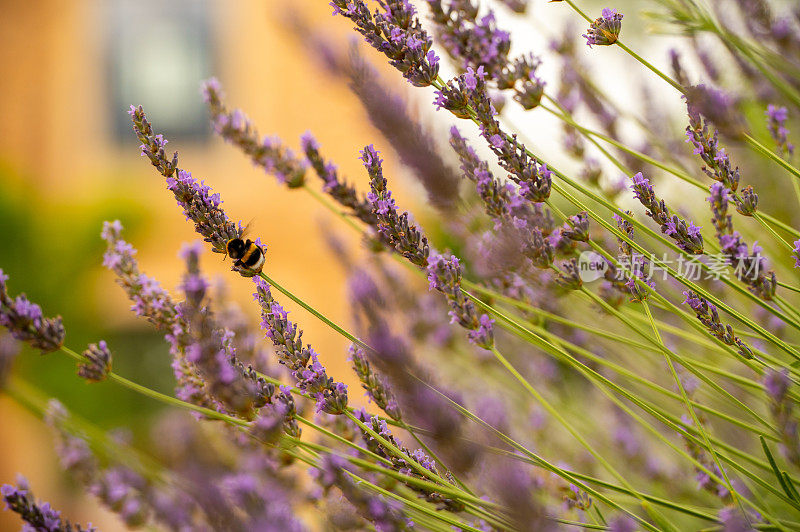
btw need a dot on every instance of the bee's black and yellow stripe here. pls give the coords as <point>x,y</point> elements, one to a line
<point>253,257</point>
<point>246,253</point>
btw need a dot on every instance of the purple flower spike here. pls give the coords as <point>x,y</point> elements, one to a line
<point>776,123</point>
<point>199,205</point>
<point>98,362</point>
<point>707,314</point>
<point>266,153</point>
<point>306,368</point>
<point>38,516</point>
<point>687,236</point>
<point>395,31</point>
<point>604,31</point>
<point>25,321</point>
<point>444,275</point>
<point>796,253</point>
<point>394,228</point>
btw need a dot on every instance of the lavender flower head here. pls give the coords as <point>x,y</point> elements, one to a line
<point>395,31</point>
<point>199,204</point>
<point>532,176</point>
<point>208,347</point>
<point>149,299</point>
<point>310,374</point>
<point>776,123</point>
<point>444,275</point>
<point>604,31</point>
<point>796,253</point>
<point>266,153</point>
<point>373,383</point>
<point>397,229</point>
<point>40,517</point>
<point>707,314</point>
<point>687,237</point>
<point>97,364</point>
<point>344,193</point>
<point>25,322</point>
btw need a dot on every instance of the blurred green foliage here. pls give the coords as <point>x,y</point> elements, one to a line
<point>52,251</point>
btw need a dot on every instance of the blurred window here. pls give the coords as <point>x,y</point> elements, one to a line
<point>159,52</point>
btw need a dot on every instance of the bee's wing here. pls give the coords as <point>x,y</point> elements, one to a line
<point>246,228</point>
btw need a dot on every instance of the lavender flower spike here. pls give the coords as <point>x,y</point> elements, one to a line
<point>395,31</point>
<point>210,351</point>
<point>236,129</point>
<point>97,364</point>
<point>707,314</point>
<point>604,31</point>
<point>306,368</point>
<point>444,275</point>
<point>776,384</point>
<point>25,322</point>
<point>776,123</point>
<point>688,237</point>
<point>375,385</point>
<point>395,228</point>
<point>38,516</point>
<point>796,253</point>
<point>344,193</point>
<point>199,204</point>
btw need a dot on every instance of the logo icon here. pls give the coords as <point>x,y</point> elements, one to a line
<point>592,266</point>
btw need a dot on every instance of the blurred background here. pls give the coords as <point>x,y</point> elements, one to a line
<point>69,160</point>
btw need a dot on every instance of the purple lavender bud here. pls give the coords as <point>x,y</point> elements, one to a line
<point>444,275</point>
<point>395,30</point>
<point>198,203</point>
<point>762,282</point>
<point>152,144</point>
<point>605,29</point>
<point>707,314</point>
<point>98,362</point>
<point>454,96</point>
<point>341,191</point>
<point>497,198</point>
<point>25,322</point>
<point>706,145</point>
<point>306,368</point>
<point>796,253</point>
<point>747,201</point>
<point>395,228</point>
<point>569,277</point>
<point>267,153</point>
<point>776,123</point>
<point>539,249</point>
<point>39,516</point>
<point>577,227</point>
<point>333,470</point>
<point>717,106</point>
<point>687,237</point>
<point>719,209</point>
<point>374,384</point>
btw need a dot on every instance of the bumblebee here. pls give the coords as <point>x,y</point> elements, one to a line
<point>248,256</point>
